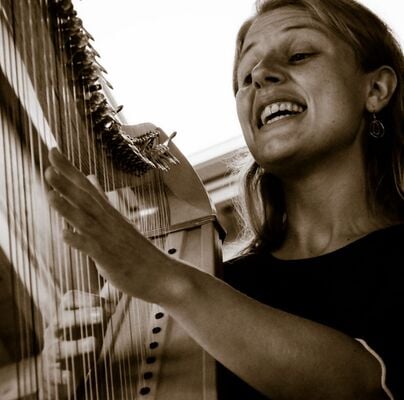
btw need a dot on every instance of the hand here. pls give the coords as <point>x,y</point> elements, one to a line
<point>128,260</point>
<point>72,343</point>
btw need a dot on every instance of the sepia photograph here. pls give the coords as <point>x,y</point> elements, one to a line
<point>201,200</point>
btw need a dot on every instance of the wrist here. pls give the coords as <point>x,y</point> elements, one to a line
<point>176,285</point>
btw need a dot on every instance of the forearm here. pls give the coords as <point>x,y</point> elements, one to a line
<point>283,356</point>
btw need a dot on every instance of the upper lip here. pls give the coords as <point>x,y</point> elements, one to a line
<point>263,101</point>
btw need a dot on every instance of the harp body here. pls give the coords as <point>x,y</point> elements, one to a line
<point>145,353</point>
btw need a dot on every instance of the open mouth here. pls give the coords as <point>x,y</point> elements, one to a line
<point>275,111</point>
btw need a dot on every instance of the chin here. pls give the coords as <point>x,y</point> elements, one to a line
<point>281,165</point>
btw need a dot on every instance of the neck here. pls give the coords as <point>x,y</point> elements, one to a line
<point>326,210</point>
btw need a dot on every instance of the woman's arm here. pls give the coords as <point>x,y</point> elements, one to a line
<point>281,355</point>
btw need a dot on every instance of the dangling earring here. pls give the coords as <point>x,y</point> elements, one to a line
<point>376,127</point>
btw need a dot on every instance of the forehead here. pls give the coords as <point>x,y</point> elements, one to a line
<point>272,24</point>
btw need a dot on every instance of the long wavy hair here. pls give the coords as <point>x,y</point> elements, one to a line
<point>261,202</point>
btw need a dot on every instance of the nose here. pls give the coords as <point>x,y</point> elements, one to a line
<point>263,75</point>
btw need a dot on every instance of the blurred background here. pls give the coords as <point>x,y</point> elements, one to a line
<point>170,63</point>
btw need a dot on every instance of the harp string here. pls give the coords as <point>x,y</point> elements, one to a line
<point>73,150</point>
<point>26,174</point>
<point>105,369</point>
<point>14,222</point>
<point>57,268</point>
<point>56,258</point>
<point>122,381</point>
<point>7,132</point>
<point>7,237</point>
<point>129,365</point>
<point>11,207</point>
<point>104,167</point>
<point>8,217</point>
<point>20,191</point>
<point>45,75</point>
<point>23,261</point>
<point>60,261</point>
<point>63,255</point>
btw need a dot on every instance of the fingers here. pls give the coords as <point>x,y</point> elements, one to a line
<point>73,348</point>
<point>88,220</point>
<point>64,365</point>
<point>59,352</point>
<point>76,331</point>
<point>64,377</point>
<point>72,343</point>
<point>74,299</point>
<point>79,218</point>
<point>78,241</point>
<point>81,318</point>
<point>74,195</point>
<point>69,182</point>
<point>76,199</point>
<point>73,325</point>
<point>69,172</point>
<point>81,314</point>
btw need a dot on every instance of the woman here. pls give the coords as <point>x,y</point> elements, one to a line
<point>319,97</point>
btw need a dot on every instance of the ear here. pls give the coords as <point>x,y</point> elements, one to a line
<point>383,83</point>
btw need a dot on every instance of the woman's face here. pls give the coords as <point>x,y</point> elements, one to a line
<point>302,94</point>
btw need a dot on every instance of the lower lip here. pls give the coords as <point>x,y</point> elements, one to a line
<point>288,118</point>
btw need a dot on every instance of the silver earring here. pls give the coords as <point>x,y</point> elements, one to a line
<point>376,128</point>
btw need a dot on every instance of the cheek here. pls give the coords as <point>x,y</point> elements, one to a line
<point>334,102</point>
<point>244,102</point>
<point>344,107</point>
<point>340,87</point>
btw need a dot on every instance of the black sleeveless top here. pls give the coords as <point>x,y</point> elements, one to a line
<point>357,289</point>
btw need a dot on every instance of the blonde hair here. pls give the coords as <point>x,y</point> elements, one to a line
<point>261,200</point>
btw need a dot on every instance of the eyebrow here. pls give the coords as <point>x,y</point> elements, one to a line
<point>287,29</point>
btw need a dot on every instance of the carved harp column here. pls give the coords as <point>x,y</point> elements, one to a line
<point>53,93</point>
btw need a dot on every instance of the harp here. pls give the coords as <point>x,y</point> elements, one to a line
<point>53,93</point>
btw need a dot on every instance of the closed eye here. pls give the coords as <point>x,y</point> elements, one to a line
<point>299,57</point>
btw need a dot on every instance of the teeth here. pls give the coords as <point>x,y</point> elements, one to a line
<point>273,108</point>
